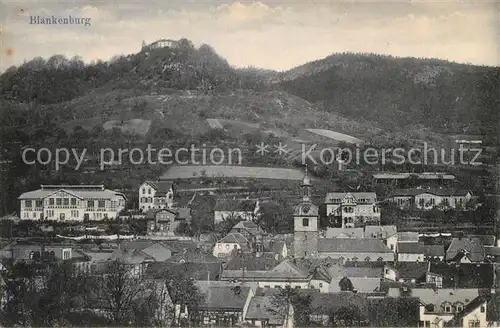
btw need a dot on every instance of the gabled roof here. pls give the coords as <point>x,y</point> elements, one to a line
<point>161,187</point>
<point>411,270</point>
<point>224,298</point>
<point>349,245</point>
<point>333,197</point>
<point>195,255</point>
<point>423,176</point>
<point>473,249</point>
<point>72,190</point>
<point>473,305</point>
<point>264,308</point>
<point>411,248</point>
<point>234,238</point>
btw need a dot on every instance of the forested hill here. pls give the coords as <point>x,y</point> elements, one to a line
<point>61,79</point>
<point>396,92</point>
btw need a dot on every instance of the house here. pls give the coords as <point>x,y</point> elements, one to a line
<point>153,249</point>
<point>387,233</point>
<point>233,241</point>
<point>279,247</point>
<point>284,274</point>
<point>434,252</point>
<point>410,252</point>
<point>249,229</point>
<point>414,179</point>
<point>166,221</point>
<point>244,209</point>
<point>136,260</point>
<point>407,272</point>
<point>71,203</point>
<point>348,249</point>
<point>466,250</point>
<point>426,199</point>
<point>32,252</point>
<point>221,305</point>
<point>352,210</point>
<point>156,195</point>
<point>473,314</point>
<point>362,279</point>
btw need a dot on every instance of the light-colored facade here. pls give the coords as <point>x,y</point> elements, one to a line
<point>156,195</point>
<point>431,199</point>
<point>354,209</point>
<point>71,203</point>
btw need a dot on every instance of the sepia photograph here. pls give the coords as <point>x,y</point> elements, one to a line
<point>273,163</point>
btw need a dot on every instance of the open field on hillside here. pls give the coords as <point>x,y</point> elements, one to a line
<point>196,171</point>
<point>336,136</point>
<point>134,126</point>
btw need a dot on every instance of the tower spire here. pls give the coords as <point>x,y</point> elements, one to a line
<point>306,186</point>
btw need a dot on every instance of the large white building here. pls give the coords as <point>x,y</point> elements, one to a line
<point>71,202</point>
<point>427,199</point>
<point>355,209</point>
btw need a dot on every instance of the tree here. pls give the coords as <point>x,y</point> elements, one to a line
<point>287,302</point>
<point>118,289</point>
<point>183,292</point>
<point>346,285</point>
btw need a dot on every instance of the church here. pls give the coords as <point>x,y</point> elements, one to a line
<point>308,244</point>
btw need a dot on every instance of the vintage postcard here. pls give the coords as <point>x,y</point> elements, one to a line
<point>208,163</point>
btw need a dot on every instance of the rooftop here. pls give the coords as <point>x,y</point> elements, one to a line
<point>351,245</point>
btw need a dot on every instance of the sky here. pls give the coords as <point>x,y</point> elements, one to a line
<point>269,34</point>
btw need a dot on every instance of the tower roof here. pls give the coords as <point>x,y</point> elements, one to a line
<point>306,182</point>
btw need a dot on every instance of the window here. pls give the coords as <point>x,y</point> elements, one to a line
<point>73,201</point>
<point>392,247</point>
<point>446,202</point>
<point>297,287</point>
<point>102,204</point>
<point>143,191</point>
<point>433,201</point>
<point>34,215</point>
<point>421,202</point>
<point>149,191</point>
<point>39,203</point>
<point>58,201</point>
<point>483,309</point>
<point>380,259</point>
<point>90,203</point>
<point>447,308</point>
<point>51,201</point>
<point>66,201</point>
<point>367,259</point>
<point>320,285</point>
<point>27,203</point>
<point>474,323</point>
<point>66,255</point>
<point>305,222</point>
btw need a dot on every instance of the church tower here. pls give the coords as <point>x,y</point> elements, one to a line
<point>305,223</point>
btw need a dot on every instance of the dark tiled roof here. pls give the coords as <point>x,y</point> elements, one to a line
<point>465,275</point>
<point>411,270</point>
<point>434,250</point>
<point>408,236</point>
<point>234,238</point>
<point>262,308</point>
<point>327,303</point>
<point>196,255</point>
<point>196,271</point>
<point>473,248</point>
<point>224,298</point>
<point>161,186</point>
<point>250,261</point>
<point>487,240</point>
<point>354,272</point>
<point>411,248</point>
<point>349,245</point>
